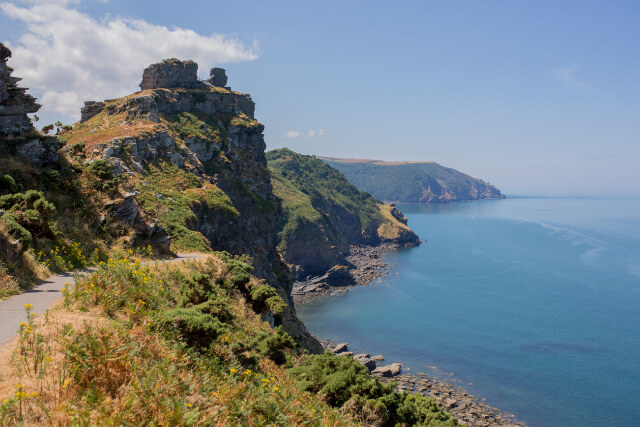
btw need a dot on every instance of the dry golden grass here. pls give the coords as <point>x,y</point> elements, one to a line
<point>392,228</point>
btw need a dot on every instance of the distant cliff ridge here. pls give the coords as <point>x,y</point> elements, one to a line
<point>324,215</point>
<point>413,182</point>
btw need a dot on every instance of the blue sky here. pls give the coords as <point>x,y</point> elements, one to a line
<point>536,97</point>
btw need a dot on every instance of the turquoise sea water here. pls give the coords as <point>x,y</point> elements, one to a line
<point>535,302</point>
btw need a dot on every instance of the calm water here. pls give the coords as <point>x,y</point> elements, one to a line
<point>533,301</point>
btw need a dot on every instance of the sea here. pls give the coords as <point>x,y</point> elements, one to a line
<point>532,303</point>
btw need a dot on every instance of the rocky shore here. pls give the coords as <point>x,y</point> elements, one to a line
<point>468,409</point>
<point>365,265</point>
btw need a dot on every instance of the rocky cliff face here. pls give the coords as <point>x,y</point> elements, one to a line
<point>192,155</point>
<point>15,103</point>
<point>16,129</point>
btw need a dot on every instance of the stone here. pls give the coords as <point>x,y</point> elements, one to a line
<point>341,348</point>
<point>378,358</point>
<point>346,353</point>
<point>90,109</point>
<point>218,77</point>
<point>388,371</point>
<point>127,210</point>
<point>170,73</point>
<point>370,364</point>
<point>40,151</point>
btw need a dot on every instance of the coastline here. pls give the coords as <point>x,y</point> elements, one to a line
<point>368,266</point>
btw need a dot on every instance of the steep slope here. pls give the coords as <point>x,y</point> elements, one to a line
<point>323,214</point>
<point>413,182</point>
<point>178,166</point>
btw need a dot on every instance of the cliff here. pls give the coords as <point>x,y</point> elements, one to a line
<point>324,214</point>
<point>413,182</point>
<point>179,166</point>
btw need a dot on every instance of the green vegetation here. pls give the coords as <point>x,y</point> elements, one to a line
<point>345,383</point>
<point>195,125</point>
<point>413,182</point>
<point>324,213</point>
<point>182,345</point>
<point>310,190</point>
<point>170,194</point>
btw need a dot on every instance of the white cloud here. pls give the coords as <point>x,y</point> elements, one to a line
<point>70,57</point>
<point>567,75</point>
<point>311,133</point>
<point>292,134</point>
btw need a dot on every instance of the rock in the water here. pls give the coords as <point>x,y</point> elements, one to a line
<point>341,348</point>
<point>170,73</point>
<point>388,370</point>
<point>378,358</point>
<point>366,361</point>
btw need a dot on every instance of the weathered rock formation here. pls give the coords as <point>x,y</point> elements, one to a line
<point>90,109</point>
<point>16,130</point>
<point>218,77</point>
<point>15,103</point>
<point>170,73</point>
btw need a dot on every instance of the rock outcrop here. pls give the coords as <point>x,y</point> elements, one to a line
<point>170,73</point>
<point>16,129</point>
<point>90,109</point>
<point>15,103</point>
<point>218,77</point>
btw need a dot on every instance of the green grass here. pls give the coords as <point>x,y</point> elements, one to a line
<point>169,194</point>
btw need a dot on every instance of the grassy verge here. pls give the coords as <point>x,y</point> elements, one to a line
<point>185,345</point>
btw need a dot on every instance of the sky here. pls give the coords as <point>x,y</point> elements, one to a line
<point>537,97</point>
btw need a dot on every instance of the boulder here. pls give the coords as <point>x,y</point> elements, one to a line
<point>340,348</point>
<point>388,371</point>
<point>369,363</point>
<point>127,210</point>
<point>378,358</point>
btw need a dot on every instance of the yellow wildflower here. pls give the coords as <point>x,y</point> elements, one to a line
<point>28,306</point>
<point>233,371</point>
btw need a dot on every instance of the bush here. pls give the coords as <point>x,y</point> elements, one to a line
<point>8,184</point>
<point>344,382</point>
<point>196,328</point>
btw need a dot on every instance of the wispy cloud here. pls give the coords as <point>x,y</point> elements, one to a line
<point>311,133</point>
<point>567,76</point>
<point>292,134</point>
<point>70,57</point>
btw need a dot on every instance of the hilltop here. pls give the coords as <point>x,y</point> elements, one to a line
<point>412,181</point>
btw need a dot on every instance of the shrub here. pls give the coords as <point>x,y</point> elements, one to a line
<point>7,184</point>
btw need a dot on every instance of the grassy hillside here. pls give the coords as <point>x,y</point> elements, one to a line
<point>186,345</point>
<point>413,182</point>
<point>323,213</point>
